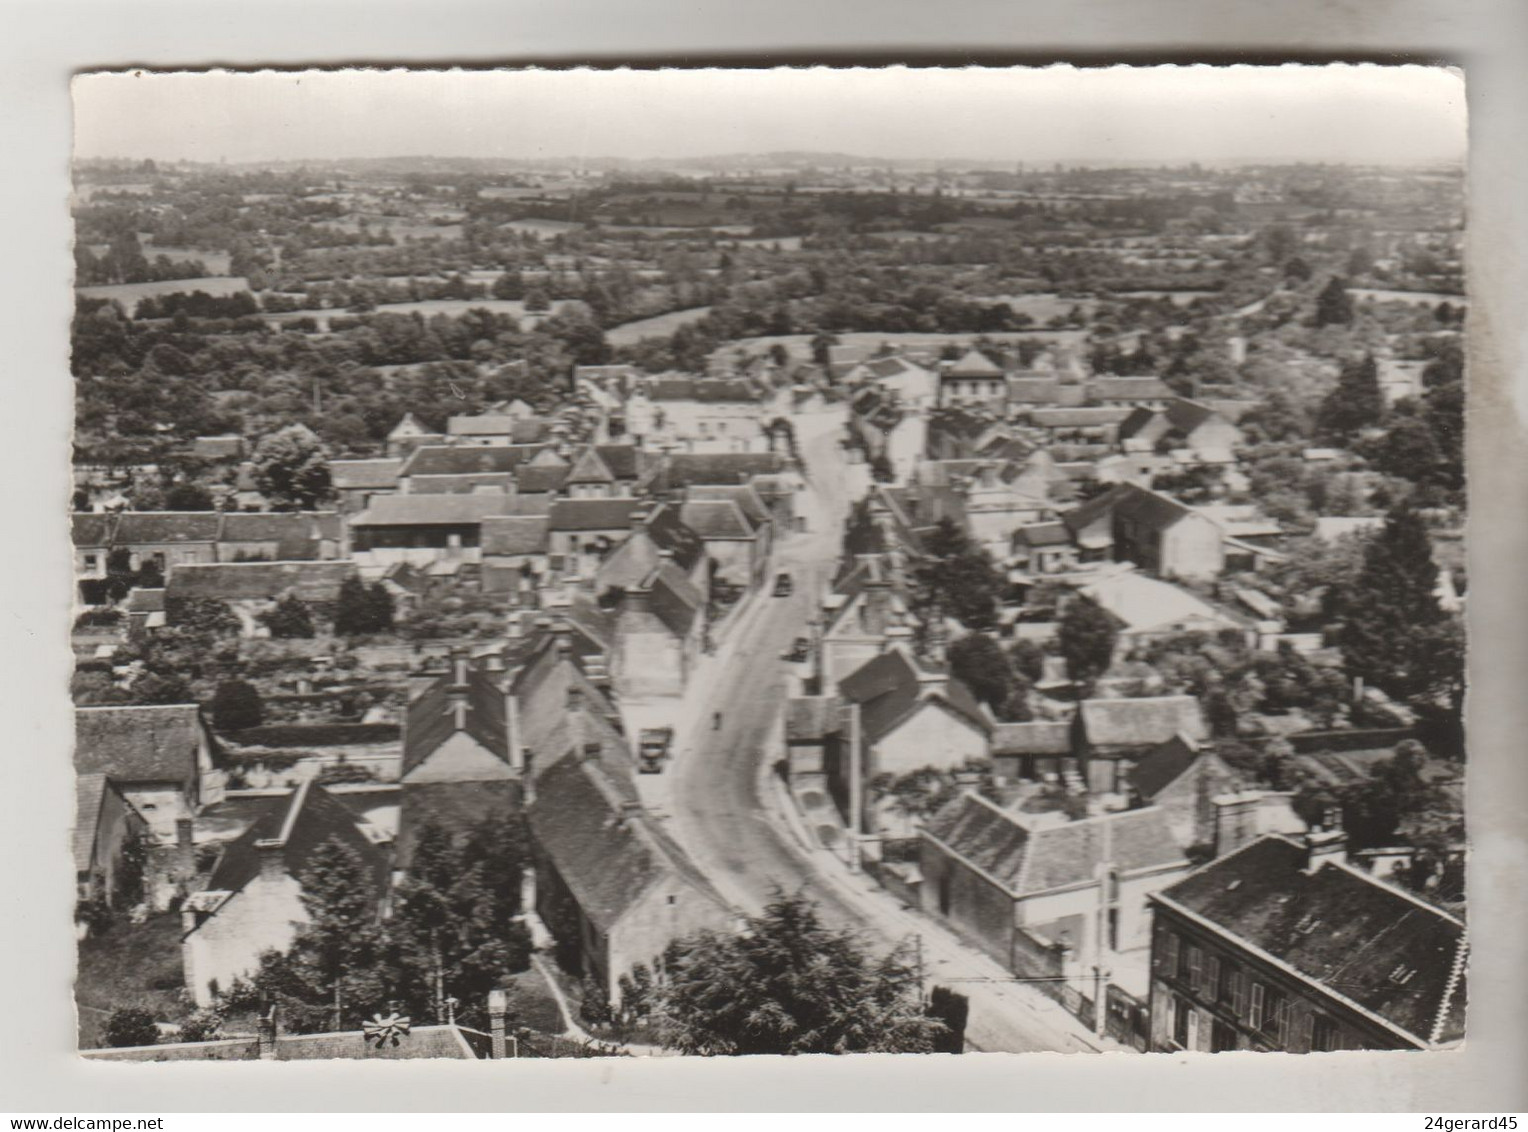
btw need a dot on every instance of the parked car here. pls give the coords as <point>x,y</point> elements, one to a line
<point>653,749</point>
<point>784,586</point>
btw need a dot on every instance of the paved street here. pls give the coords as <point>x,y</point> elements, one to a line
<point>727,809</point>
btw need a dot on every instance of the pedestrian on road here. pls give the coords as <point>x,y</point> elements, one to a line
<point>716,721</point>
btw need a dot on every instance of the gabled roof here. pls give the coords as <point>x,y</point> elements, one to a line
<point>294,528</point>
<point>669,532</point>
<point>1042,534</point>
<point>232,581</point>
<point>888,690</point>
<point>1034,390</point>
<point>588,467</point>
<point>1142,506</point>
<point>515,534</point>
<point>1129,389</point>
<point>1141,722</point>
<point>352,475</point>
<point>975,364</point>
<point>140,743</point>
<point>625,461</point>
<point>1039,737</point>
<point>455,460</point>
<point>1141,604</point>
<point>590,825</point>
<point>674,599</point>
<point>300,822</point>
<point>467,484</point>
<point>1027,857</point>
<point>150,527</point>
<point>1359,939</point>
<point>1095,417</point>
<point>535,479</point>
<point>593,514</point>
<point>432,718</point>
<point>433,510</point>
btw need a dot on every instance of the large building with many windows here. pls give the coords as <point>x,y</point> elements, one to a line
<point>1284,946</point>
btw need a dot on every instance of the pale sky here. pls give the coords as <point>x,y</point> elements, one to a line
<point>1358,114</point>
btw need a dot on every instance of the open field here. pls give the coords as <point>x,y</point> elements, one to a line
<point>1042,307</point>
<point>659,326</point>
<point>131,965</point>
<point>128,294</point>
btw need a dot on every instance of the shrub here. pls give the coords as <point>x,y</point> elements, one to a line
<point>131,1026</point>
<point>288,620</point>
<point>236,706</point>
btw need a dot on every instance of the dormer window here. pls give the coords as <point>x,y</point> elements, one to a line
<point>1307,924</point>
<point>1401,974</point>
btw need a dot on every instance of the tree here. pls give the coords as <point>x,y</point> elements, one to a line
<point>1354,405</point>
<point>1390,612</point>
<point>161,688</point>
<point>1087,636</point>
<point>456,922</point>
<point>957,578</point>
<point>236,705</point>
<point>202,617</point>
<point>131,1026</point>
<point>822,342</point>
<point>980,663</point>
<point>291,467</point>
<point>788,985</point>
<point>188,497</point>
<point>288,619</point>
<point>1333,306</point>
<point>353,613</point>
<point>379,607</point>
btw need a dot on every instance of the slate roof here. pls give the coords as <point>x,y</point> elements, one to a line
<point>888,690</point>
<point>145,600</point>
<point>432,510</point>
<point>589,824</point>
<point>1130,389</point>
<point>460,459</point>
<point>669,532</point>
<point>593,514</point>
<point>1150,509</point>
<point>288,527</point>
<point>1096,417</point>
<point>1034,390</point>
<point>717,519</point>
<point>1373,945</point>
<point>1141,722</point>
<point>625,461</point>
<point>139,743</point>
<point>1030,859</point>
<point>302,821</point>
<point>589,467</point>
<point>1165,765</point>
<point>150,527</point>
<point>232,581</point>
<point>674,599</point>
<point>1043,534</point>
<point>809,718</point>
<point>347,475</point>
<point>431,718</point>
<point>89,792</point>
<point>515,534</point>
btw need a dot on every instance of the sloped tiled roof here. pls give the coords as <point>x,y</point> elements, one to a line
<point>684,468</point>
<point>432,510</point>
<point>625,461</point>
<point>1129,389</point>
<point>593,514</point>
<point>608,851</point>
<point>482,425</point>
<point>1358,938</point>
<point>89,792</point>
<point>1141,722</point>
<point>717,519</point>
<point>231,581</point>
<point>139,743</point>
<point>149,527</point>
<point>515,534</point>
<point>1040,737</point>
<point>364,474</point>
<point>1029,859</point>
<point>301,821</point>
<point>975,364</point>
<point>455,460</point>
<point>432,718</point>
<point>1164,766</point>
<point>589,467</point>
<point>90,529</point>
<point>465,484</point>
<point>534,479</point>
<point>295,527</point>
<point>888,690</point>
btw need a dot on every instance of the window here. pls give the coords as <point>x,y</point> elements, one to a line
<point>1212,977</point>
<point>1113,929</point>
<point>1275,1014</point>
<point>1225,984</point>
<point>1255,1017</point>
<point>1195,966</point>
<point>1222,1037</point>
<point>1170,952</point>
<point>1181,1014</point>
<point>90,561</point>
<point>1323,1034</point>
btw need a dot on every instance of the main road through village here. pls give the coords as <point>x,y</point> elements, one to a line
<point>729,813</point>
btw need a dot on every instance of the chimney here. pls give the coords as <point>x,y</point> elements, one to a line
<point>494,662</point>
<point>459,664</point>
<point>1236,820</point>
<point>265,1029</point>
<point>897,635</point>
<point>638,518</point>
<point>498,1009</point>
<point>272,852</point>
<point>630,811</point>
<point>1326,842</point>
<point>562,635</point>
<point>185,848</point>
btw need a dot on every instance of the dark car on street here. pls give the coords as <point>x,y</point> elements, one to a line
<point>784,586</point>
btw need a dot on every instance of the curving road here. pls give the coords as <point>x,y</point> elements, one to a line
<point>727,812</point>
